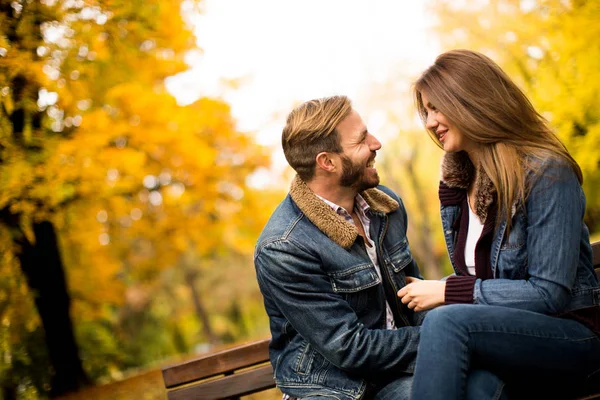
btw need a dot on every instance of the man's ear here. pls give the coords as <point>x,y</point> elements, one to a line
<point>325,161</point>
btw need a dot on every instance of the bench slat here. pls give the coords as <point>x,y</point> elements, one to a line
<point>215,364</point>
<point>239,384</point>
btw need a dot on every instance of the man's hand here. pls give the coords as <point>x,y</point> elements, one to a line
<point>422,295</point>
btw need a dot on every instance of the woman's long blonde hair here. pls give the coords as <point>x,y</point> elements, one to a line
<point>485,105</point>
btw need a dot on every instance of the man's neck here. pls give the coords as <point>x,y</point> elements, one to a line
<point>342,196</point>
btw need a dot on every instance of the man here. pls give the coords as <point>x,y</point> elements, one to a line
<point>330,261</point>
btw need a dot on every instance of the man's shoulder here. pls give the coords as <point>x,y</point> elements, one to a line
<point>282,223</point>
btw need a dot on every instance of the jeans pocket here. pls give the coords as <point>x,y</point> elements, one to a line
<point>305,359</point>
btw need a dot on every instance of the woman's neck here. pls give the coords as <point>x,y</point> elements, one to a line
<point>475,157</point>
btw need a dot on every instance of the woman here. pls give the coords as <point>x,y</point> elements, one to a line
<point>524,300</point>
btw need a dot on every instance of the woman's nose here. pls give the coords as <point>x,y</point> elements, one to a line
<point>431,121</point>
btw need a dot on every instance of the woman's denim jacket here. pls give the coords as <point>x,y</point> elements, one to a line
<point>545,263</point>
<point>325,300</point>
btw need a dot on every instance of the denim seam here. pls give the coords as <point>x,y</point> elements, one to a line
<point>513,246</point>
<point>292,226</point>
<point>593,373</point>
<point>336,289</point>
<point>499,391</point>
<point>399,245</point>
<point>401,266</point>
<point>466,358</point>
<point>352,393</point>
<point>350,271</point>
<point>307,353</point>
<point>284,237</point>
<point>322,375</point>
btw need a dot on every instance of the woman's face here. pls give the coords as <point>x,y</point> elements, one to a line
<point>451,138</point>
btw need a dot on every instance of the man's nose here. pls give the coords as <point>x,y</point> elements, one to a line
<point>374,144</point>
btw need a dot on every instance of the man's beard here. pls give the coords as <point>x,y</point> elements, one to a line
<point>353,175</point>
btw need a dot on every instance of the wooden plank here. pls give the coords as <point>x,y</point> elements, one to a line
<point>239,384</point>
<point>596,251</point>
<point>218,363</point>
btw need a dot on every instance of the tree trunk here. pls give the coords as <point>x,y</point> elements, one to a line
<point>190,277</point>
<point>9,389</point>
<point>42,265</point>
<point>9,393</point>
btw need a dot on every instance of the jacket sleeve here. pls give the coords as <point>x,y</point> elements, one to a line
<point>293,280</point>
<point>554,211</point>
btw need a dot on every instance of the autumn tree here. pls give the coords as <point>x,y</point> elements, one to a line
<point>105,182</point>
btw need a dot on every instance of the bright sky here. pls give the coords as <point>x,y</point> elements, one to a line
<point>265,56</point>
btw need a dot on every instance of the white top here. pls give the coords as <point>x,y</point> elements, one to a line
<point>473,235</point>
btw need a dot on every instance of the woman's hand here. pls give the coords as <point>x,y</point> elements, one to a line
<point>422,295</point>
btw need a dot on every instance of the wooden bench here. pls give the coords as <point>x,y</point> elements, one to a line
<point>241,370</point>
<point>228,374</point>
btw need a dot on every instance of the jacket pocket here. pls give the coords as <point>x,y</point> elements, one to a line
<point>311,364</point>
<point>354,279</point>
<point>353,285</point>
<point>399,256</point>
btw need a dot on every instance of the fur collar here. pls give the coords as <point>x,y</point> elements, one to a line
<point>458,172</point>
<point>328,221</point>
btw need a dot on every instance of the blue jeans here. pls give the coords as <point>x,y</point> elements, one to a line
<point>396,389</point>
<point>481,385</point>
<point>513,343</point>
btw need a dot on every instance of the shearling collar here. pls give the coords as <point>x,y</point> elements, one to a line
<point>458,172</point>
<point>328,221</point>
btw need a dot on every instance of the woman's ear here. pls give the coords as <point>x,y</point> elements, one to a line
<point>325,161</point>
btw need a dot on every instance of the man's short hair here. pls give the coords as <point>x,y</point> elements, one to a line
<point>310,130</point>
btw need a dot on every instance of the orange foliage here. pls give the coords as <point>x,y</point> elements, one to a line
<point>134,182</point>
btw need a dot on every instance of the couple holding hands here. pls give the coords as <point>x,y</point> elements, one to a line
<point>350,315</point>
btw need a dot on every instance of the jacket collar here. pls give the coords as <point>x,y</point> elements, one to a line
<point>328,221</point>
<point>458,172</point>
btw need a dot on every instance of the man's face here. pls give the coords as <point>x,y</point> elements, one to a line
<point>358,156</point>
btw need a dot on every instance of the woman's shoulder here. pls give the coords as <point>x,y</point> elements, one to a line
<point>549,172</point>
<point>549,166</point>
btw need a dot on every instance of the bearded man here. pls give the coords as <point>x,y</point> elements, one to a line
<point>330,261</point>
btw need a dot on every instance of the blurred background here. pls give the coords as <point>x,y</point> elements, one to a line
<point>140,158</point>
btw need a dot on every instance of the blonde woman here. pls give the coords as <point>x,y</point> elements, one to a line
<point>524,300</point>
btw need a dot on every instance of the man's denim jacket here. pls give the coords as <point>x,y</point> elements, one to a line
<point>325,300</point>
<point>545,263</point>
